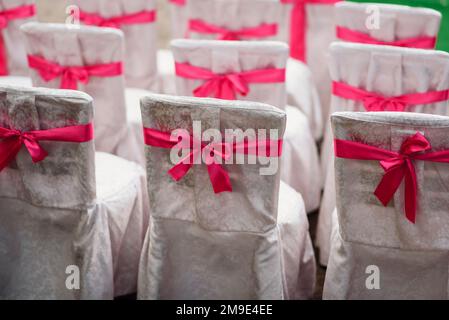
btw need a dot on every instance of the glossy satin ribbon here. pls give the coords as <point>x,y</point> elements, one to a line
<point>261,31</point>
<point>349,35</point>
<point>299,25</point>
<point>398,166</point>
<point>116,22</point>
<point>226,86</point>
<point>218,176</point>
<point>71,75</point>
<point>375,102</point>
<point>11,141</point>
<point>7,15</point>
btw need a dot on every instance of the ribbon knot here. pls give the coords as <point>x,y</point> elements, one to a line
<point>398,166</point>
<point>377,103</point>
<point>223,87</point>
<point>72,75</point>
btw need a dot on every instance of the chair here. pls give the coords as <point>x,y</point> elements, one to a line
<point>300,167</point>
<point>71,224</point>
<point>385,71</point>
<point>207,244</point>
<point>117,125</point>
<point>382,248</point>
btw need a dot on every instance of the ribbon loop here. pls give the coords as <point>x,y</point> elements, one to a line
<point>398,166</point>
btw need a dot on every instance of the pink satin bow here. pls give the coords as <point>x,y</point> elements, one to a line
<point>225,86</point>
<point>12,141</point>
<point>349,35</point>
<point>299,25</point>
<point>398,166</point>
<point>117,22</point>
<point>261,31</point>
<point>375,102</point>
<point>178,2</point>
<point>218,176</point>
<point>71,75</point>
<point>22,12</point>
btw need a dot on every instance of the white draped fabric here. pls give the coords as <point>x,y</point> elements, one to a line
<point>300,168</point>
<point>252,243</point>
<point>388,71</point>
<point>86,46</point>
<point>76,208</point>
<point>140,39</point>
<point>411,260</point>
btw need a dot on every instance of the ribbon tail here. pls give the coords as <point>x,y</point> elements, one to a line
<point>9,148</point>
<point>389,184</point>
<point>219,178</point>
<point>180,170</point>
<point>3,57</point>
<point>68,83</point>
<point>411,187</point>
<point>36,151</point>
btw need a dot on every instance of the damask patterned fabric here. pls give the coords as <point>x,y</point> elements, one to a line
<point>76,208</point>
<point>252,243</point>
<point>411,259</point>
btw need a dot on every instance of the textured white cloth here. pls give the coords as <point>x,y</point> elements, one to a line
<point>389,71</point>
<point>140,39</point>
<point>233,245</point>
<point>83,46</point>
<point>13,38</point>
<point>300,164</point>
<point>411,259</point>
<point>320,33</point>
<point>75,208</point>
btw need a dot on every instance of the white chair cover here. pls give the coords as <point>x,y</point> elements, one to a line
<point>65,211</point>
<point>85,45</point>
<point>389,71</point>
<point>411,259</point>
<point>179,17</point>
<point>140,39</point>
<point>233,245</point>
<point>300,168</point>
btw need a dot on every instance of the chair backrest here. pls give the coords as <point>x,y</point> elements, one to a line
<point>85,46</point>
<point>362,217</point>
<point>140,38</point>
<point>16,61</point>
<point>221,221</point>
<point>178,18</point>
<point>66,178</point>
<point>395,22</point>
<point>390,72</point>
<point>235,15</point>
<point>224,57</point>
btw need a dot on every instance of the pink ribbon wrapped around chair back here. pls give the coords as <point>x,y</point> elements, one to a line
<point>262,31</point>
<point>398,166</point>
<point>422,42</point>
<point>376,102</point>
<point>219,177</point>
<point>227,86</point>
<point>71,75</point>
<point>298,25</point>
<point>116,22</point>
<point>12,141</point>
<point>22,12</point>
<point>178,2</point>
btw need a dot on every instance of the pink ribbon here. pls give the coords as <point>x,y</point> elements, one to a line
<point>178,2</point>
<point>22,12</point>
<point>349,35</point>
<point>218,176</point>
<point>12,141</point>
<point>261,31</point>
<point>398,166</point>
<point>116,22</point>
<point>225,86</point>
<point>299,24</point>
<point>375,102</point>
<point>71,75</point>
